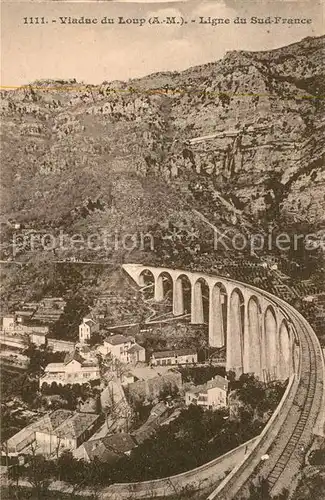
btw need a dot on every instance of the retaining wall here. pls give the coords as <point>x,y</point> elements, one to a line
<point>59,345</point>
<point>319,429</point>
<point>198,478</point>
<point>246,467</point>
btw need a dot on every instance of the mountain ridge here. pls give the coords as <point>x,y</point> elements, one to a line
<point>63,148</point>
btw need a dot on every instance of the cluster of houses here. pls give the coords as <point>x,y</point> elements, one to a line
<point>30,323</point>
<point>81,434</point>
<point>54,432</point>
<point>82,365</point>
<point>74,370</point>
<point>88,435</point>
<point>87,432</point>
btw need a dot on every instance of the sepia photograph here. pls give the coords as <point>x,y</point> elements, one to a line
<point>162,330</point>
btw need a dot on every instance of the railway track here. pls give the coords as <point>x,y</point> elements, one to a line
<point>288,450</point>
<point>306,392</point>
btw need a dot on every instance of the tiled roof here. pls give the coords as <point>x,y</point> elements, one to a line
<point>109,448</point>
<point>45,424</point>
<point>55,367</point>
<point>135,348</point>
<point>117,339</point>
<point>71,356</point>
<point>76,425</point>
<point>58,417</point>
<point>96,449</point>
<point>176,352</point>
<point>119,443</point>
<point>218,381</point>
<point>152,423</point>
<point>89,322</point>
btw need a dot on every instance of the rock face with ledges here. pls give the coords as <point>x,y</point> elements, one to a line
<point>64,142</point>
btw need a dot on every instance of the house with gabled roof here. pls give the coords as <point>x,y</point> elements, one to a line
<point>54,432</point>
<point>87,329</point>
<point>175,357</point>
<point>26,436</point>
<point>66,434</point>
<point>106,449</point>
<point>211,395</point>
<point>123,348</point>
<point>74,370</point>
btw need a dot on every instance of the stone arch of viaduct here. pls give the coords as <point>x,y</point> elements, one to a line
<point>258,335</point>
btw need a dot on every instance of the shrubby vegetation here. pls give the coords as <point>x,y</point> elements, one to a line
<point>194,438</point>
<point>200,374</point>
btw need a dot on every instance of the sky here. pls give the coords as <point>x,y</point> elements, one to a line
<point>95,53</point>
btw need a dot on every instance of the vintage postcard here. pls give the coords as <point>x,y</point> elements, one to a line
<point>162,325</point>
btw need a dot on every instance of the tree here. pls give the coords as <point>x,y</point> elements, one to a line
<point>261,491</point>
<point>39,472</point>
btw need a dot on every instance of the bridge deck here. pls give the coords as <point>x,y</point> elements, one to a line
<point>289,447</point>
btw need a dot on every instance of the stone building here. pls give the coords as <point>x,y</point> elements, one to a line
<point>211,395</point>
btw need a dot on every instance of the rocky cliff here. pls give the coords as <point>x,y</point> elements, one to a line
<point>241,139</point>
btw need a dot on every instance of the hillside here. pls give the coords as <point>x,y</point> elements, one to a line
<point>126,157</point>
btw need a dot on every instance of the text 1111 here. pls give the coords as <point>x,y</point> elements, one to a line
<point>34,20</point>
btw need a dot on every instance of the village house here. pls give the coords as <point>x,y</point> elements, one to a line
<point>136,354</point>
<point>8,324</point>
<point>148,381</point>
<point>11,327</point>
<point>175,357</point>
<point>123,348</point>
<point>86,329</point>
<point>211,395</point>
<point>69,435</point>
<point>74,370</point>
<point>106,449</point>
<point>158,414</point>
<point>16,335</point>
<point>37,338</point>
<point>53,433</point>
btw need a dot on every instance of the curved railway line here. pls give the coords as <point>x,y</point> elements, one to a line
<point>305,392</point>
<point>291,429</point>
<point>287,451</point>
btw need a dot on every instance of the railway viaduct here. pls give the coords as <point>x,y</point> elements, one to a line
<point>265,335</point>
<point>258,335</point>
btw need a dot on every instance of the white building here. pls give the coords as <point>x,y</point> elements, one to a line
<point>86,329</point>
<point>211,395</point>
<point>8,324</point>
<point>38,338</point>
<point>17,335</point>
<point>54,432</point>
<point>123,348</point>
<point>74,370</point>
<point>136,354</point>
<point>175,357</point>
